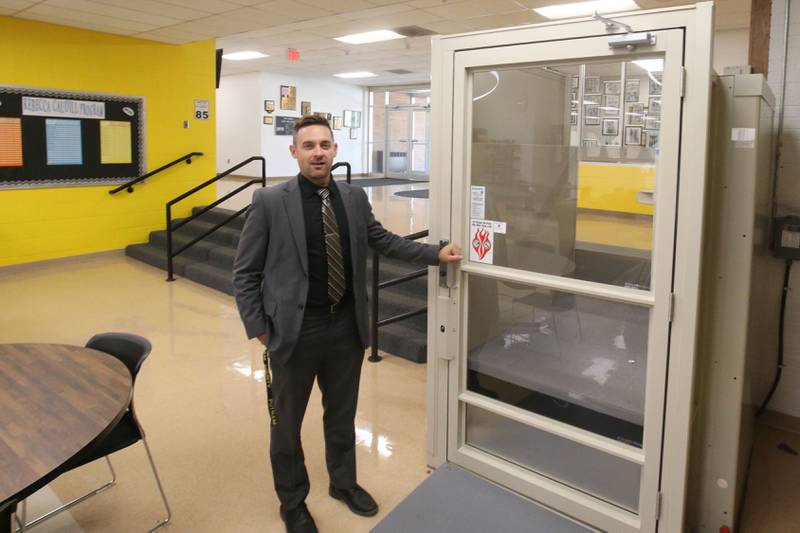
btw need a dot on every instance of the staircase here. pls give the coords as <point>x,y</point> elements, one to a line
<point>210,263</point>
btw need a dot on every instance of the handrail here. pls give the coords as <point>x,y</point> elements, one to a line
<point>343,164</point>
<point>129,186</point>
<point>377,285</point>
<point>171,227</point>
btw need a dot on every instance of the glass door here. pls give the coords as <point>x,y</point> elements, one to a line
<point>565,167</point>
<point>408,139</point>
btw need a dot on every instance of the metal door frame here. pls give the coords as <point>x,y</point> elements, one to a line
<point>407,173</point>
<point>696,24</point>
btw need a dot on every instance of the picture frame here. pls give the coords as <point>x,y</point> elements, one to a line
<point>655,85</point>
<point>288,98</point>
<point>591,85</point>
<point>652,139</point>
<point>654,106</point>
<point>352,119</point>
<point>353,133</point>
<point>595,99</point>
<point>573,118</point>
<point>632,90</point>
<point>337,123</point>
<point>611,141</point>
<point>269,106</point>
<point>611,105</point>
<point>591,115</point>
<point>634,114</point>
<point>573,97</point>
<point>633,135</point>
<point>574,83</point>
<point>610,127</point>
<point>612,87</point>
<point>267,120</point>
<point>652,123</point>
<point>305,108</point>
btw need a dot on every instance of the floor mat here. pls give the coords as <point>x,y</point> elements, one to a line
<point>422,193</point>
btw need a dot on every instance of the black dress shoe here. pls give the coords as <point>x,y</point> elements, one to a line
<point>298,520</point>
<point>357,499</point>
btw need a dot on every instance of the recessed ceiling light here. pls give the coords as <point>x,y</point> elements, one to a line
<point>351,75</point>
<point>370,37</point>
<point>580,9</point>
<point>241,56</point>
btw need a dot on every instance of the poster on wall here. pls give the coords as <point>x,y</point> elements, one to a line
<point>51,137</point>
<point>305,108</point>
<point>288,97</point>
<point>284,125</point>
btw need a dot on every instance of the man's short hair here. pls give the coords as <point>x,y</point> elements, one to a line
<point>310,120</point>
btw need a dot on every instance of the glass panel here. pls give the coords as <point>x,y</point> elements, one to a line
<point>605,476</point>
<point>576,359</point>
<point>567,156</point>
<point>419,142</point>
<point>399,142</point>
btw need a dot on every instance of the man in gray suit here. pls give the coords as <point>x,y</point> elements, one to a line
<point>300,283</point>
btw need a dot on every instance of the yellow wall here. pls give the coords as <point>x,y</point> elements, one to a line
<point>38,224</point>
<point>611,187</point>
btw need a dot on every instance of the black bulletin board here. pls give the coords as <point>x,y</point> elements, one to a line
<point>35,170</point>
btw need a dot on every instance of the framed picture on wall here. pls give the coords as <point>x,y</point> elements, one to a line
<point>655,83</point>
<point>269,106</point>
<point>573,118</point>
<point>612,87</point>
<point>652,123</point>
<point>288,97</point>
<point>633,136</point>
<point>305,108</point>
<point>610,126</point>
<point>634,114</point>
<point>591,115</point>
<point>651,139</point>
<point>574,82</point>
<point>654,105</point>
<point>353,133</point>
<point>337,123</point>
<point>632,90</point>
<point>595,99</point>
<point>611,105</point>
<point>267,120</point>
<point>352,119</point>
<point>592,85</point>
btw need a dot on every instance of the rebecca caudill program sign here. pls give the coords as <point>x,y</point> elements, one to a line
<point>57,107</point>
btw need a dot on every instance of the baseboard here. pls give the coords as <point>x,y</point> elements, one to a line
<point>782,421</point>
<point>71,260</point>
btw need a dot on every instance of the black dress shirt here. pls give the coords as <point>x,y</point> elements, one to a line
<point>315,242</point>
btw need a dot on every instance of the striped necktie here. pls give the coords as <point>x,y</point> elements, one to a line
<point>333,249</point>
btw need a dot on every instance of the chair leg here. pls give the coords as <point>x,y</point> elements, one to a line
<point>165,521</point>
<point>74,502</point>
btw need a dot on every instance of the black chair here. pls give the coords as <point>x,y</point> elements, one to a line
<point>132,350</point>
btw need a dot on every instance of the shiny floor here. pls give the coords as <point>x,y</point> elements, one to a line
<point>201,400</point>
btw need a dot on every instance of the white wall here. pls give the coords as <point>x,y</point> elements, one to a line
<point>787,397</point>
<point>730,48</point>
<point>241,133</point>
<point>239,111</point>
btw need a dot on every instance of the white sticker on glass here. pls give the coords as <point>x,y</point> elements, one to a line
<point>481,245</point>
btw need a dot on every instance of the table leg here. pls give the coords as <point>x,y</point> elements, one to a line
<point>6,516</point>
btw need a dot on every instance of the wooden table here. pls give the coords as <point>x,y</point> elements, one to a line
<point>54,400</point>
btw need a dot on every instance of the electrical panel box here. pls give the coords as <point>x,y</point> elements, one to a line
<point>787,238</point>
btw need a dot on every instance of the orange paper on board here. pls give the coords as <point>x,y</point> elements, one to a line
<point>10,142</point>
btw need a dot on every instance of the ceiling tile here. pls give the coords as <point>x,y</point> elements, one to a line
<point>75,23</point>
<point>16,5</point>
<point>474,8</point>
<point>376,12</point>
<point>80,18</point>
<point>298,10</point>
<point>340,6</point>
<point>156,7</point>
<point>206,6</point>
<point>113,11</point>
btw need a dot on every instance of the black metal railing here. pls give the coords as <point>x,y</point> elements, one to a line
<point>171,228</point>
<point>377,285</point>
<point>129,186</point>
<point>343,164</point>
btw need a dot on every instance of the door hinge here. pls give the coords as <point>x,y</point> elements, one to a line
<point>683,81</point>
<point>671,306</point>
<point>659,495</point>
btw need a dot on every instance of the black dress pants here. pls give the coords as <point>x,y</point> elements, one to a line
<point>329,350</point>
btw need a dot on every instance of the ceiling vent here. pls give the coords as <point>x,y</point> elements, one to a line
<point>414,31</point>
<point>399,71</point>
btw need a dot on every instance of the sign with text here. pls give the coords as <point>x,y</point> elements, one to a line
<point>62,108</point>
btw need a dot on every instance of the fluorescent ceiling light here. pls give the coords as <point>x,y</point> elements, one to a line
<point>370,37</point>
<point>351,75</point>
<point>581,9</point>
<point>650,65</point>
<point>242,56</point>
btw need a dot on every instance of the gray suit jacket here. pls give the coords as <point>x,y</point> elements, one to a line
<point>270,272</point>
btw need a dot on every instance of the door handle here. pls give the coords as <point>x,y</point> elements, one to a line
<point>448,276</point>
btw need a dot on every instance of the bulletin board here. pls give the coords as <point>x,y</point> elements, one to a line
<point>55,138</point>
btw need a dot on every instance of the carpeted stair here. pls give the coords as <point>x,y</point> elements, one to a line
<point>210,262</point>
